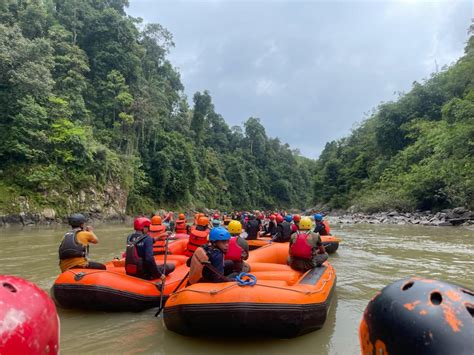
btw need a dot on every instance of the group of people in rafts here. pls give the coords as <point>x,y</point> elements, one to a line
<point>216,249</point>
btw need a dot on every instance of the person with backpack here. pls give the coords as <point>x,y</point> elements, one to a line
<point>306,249</point>
<point>207,262</point>
<point>139,260</point>
<point>74,248</point>
<point>283,230</point>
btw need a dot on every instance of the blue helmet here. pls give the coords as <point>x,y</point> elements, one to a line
<point>288,218</point>
<point>318,217</point>
<point>219,233</point>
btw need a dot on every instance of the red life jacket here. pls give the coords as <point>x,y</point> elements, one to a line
<point>301,248</point>
<point>180,226</point>
<point>196,239</point>
<point>234,252</point>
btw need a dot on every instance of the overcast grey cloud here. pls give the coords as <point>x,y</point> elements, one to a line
<point>309,70</point>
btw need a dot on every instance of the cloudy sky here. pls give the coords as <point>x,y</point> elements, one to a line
<point>310,70</point>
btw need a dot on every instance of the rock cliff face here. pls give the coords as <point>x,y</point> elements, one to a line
<point>107,204</point>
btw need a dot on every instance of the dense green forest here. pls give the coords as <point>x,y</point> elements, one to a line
<point>89,98</point>
<point>415,153</point>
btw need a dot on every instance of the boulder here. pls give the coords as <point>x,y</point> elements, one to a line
<point>48,214</point>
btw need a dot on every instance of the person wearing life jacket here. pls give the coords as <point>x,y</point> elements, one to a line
<point>322,227</point>
<point>283,230</point>
<point>207,262</point>
<point>158,232</point>
<point>181,225</point>
<point>216,222</point>
<point>306,249</point>
<point>139,260</point>
<point>74,248</point>
<point>198,235</point>
<point>296,221</point>
<point>169,222</point>
<point>270,228</point>
<point>238,251</point>
<point>252,228</point>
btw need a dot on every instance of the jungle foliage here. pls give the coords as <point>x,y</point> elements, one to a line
<point>88,97</point>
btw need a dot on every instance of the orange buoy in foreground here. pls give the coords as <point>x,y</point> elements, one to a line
<point>419,316</point>
<point>29,323</point>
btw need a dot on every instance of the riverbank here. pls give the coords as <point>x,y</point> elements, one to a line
<point>445,218</point>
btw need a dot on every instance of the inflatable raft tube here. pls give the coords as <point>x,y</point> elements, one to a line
<point>330,242</point>
<point>283,303</point>
<point>113,290</point>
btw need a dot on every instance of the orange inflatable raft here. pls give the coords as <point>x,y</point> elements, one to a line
<point>330,242</point>
<point>283,302</point>
<point>113,289</point>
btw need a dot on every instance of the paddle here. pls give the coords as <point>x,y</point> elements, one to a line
<point>163,277</point>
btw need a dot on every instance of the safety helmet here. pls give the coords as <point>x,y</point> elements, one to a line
<point>260,216</point>
<point>318,217</point>
<point>156,220</point>
<point>181,216</point>
<point>140,223</point>
<point>279,218</point>
<point>216,222</point>
<point>203,221</point>
<point>296,218</point>
<point>288,218</point>
<point>76,219</point>
<point>305,223</point>
<point>235,227</point>
<point>272,217</point>
<point>215,216</point>
<point>219,233</point>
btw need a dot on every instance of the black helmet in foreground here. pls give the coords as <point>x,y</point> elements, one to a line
<point>76,220</point>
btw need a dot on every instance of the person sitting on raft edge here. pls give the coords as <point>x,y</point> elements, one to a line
<point>139,259</point>
<point>322,227</point>
<point>207,262</point>
<point>74,248</point>
<point>306,249</point>
<point>237,252</point>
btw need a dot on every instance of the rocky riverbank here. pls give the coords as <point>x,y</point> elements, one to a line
<point>444,218</point>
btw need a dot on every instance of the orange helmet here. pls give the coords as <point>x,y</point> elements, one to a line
<point>181,216</point>
<point>156,220</point>
<point>203,221</point>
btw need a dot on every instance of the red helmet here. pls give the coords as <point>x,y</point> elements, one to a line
<point>272,217</point>
<point>140,223</point>
<point>296,218</point>
<point>215,216</point>
<point>260,216</point>
<point>279,218</point>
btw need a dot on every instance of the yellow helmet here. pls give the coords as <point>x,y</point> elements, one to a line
<point>305,223</point>
<point>235,227</point>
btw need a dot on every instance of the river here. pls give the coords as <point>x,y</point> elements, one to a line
<point>370,257</point>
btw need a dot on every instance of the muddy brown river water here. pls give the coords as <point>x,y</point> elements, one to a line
<point>370,257</point>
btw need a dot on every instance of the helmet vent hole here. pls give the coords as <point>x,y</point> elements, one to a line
<point>9,287</point>
<point>468,292</point>
<point>407,286</point>
<point>470,308</point>
<point>436,298</point>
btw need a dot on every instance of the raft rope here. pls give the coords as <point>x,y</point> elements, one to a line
<point>305,292</point>
<point>249,281</point>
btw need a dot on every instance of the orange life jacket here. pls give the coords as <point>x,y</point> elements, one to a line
<point>159,245</point>
<point>196,239</point>
<point>326,226</point>
<point>180,226</point>
<point>234,252</point>
<point>198,261</point>
<point>301,248</point>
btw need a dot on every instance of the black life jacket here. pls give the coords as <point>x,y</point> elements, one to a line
<point>71,248</point>
<point>286,227</point>
<point>133,262</point>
